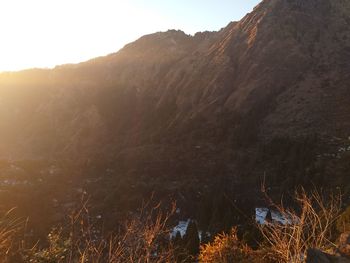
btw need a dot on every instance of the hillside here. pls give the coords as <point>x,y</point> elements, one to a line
<point>267,96</point>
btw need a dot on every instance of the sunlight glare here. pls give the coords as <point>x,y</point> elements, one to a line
<point>44,33</point>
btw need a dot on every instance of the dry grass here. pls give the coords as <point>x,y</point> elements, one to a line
<point>224,249</point>
<point>143,238</point>
<point>146,239</point>
<point>9,227</point>
<point>227,248</point>
<point>311,227</point>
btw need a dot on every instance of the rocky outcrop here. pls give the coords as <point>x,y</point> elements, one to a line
<point>317,256</point>
<point>342,256</point>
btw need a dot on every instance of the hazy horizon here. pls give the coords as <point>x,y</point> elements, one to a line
<point>42,34</point>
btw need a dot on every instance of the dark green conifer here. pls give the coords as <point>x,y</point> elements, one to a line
<point>191,238</point>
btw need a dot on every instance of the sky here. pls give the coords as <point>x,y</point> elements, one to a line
<point>45,33</point>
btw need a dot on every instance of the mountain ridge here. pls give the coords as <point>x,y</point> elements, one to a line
<point>280,72</point>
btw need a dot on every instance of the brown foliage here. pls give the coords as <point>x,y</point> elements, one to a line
<point>143,238</point>
<point>311,227</point>
<point>227,248</point>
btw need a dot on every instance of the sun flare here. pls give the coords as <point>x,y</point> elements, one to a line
<point>43,33</point>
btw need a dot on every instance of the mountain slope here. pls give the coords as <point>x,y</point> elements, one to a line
<point>170,103</point>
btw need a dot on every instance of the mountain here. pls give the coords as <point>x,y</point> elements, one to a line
<point>266,95</point>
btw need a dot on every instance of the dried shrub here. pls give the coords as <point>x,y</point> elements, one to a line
<point>227,248</point>
<point>143,238</point>
<point>311,227</point>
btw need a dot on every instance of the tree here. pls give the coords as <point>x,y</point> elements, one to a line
<point>191,238</point>
<point>177,240</point>
<point>268,217</point>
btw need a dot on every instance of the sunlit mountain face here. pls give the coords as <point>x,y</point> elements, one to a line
<point>186,118</point>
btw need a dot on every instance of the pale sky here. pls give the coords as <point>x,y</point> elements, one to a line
<point>45,33</point>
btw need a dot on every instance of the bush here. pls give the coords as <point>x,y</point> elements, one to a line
<point>227,248</point>
<point>57,251</point>
<point>311,227</point>
<point>143,238</point>
<point>191,239</point>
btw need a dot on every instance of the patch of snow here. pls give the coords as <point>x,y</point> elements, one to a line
<point>261,213</point>
<point>180,227</point>
<point>280,218</point>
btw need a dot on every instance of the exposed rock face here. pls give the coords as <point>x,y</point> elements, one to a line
<point>317,256</point>
<point>283,70</point>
